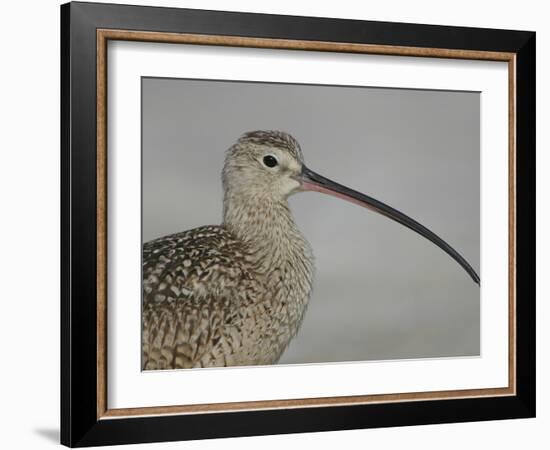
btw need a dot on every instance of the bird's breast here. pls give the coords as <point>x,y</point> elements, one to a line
<point>287,271</point>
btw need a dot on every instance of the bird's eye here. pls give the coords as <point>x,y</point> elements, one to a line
<point>270,161</point>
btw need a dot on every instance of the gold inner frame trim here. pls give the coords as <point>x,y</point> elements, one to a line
<point>104,35</point>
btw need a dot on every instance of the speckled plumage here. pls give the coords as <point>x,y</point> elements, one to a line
<point>235,293</point>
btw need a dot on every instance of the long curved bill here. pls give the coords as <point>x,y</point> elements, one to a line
<point>311,181</point>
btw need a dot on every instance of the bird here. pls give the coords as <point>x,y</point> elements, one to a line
<point>235,294</point>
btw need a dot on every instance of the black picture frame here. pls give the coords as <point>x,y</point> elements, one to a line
<point>80,425</point>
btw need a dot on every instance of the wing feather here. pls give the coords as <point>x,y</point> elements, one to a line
<point>193,285</point>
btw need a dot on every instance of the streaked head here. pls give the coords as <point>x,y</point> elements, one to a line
<point>270,164</point>
<point>265,163</point>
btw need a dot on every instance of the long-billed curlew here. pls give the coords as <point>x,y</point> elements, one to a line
<point>236,293</point>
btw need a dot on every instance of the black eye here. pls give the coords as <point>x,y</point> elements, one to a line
<point>270,161</point>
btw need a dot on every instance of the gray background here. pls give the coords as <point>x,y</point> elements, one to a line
<point>381,291</point>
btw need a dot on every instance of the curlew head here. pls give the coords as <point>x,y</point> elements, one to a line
<point>264,164</point>
<point>268,166</point>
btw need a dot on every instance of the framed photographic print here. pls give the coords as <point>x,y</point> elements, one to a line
<point>277,224</point>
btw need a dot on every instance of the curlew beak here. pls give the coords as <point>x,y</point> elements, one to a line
<point>311,181</point>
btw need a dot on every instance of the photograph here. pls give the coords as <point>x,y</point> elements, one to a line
<point>287,223</point>
<point>278,224</point>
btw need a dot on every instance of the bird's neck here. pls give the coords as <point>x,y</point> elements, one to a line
<point>280,255</point>
<point>267,226</point>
